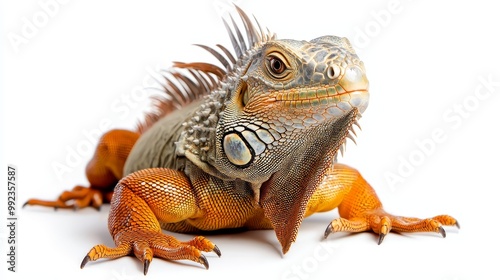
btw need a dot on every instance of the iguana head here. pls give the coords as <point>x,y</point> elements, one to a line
<point>287,116</point>
<point>286,94</point>
<point>278,118</point>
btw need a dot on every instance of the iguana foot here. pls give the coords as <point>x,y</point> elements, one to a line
<point>103,171</point>
<point>79,197</point>
<point>148,244</point>
<point>382,223</point>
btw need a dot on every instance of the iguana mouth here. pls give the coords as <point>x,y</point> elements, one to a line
<point>342,93</point>
<point>321,96</point>
<point>323,104</point>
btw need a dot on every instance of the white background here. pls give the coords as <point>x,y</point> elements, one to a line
<point>424,61</point>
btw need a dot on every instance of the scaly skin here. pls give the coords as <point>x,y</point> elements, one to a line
<point>258,152</point>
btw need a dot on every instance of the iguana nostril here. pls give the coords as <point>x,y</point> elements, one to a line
<point>330,72</point>
<point>333,71</point>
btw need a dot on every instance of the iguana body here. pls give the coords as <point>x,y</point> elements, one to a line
<point>253,146</point>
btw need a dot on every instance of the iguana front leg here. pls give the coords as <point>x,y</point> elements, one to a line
<point>141,201</point>
<point>103,172</point>
<point>361,210</point>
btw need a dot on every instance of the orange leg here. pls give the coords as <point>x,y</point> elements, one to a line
<point>361,210</point>
<point>103,172</point>
<point>141,200</point>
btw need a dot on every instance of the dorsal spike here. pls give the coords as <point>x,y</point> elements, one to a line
<point>202,81</point>
<point>202,66</point>
<point>238,33</point>
<point>174,92</point>
<point>252,34</point>
<point>165,89</point>
<point>262,33</point>
<point>210,78</point>
<point>199,79</point>
<point>186,83</point>
<point>271,35</point>
<point>228,53</point>
<point>217,55</point>
<point>236,46</point>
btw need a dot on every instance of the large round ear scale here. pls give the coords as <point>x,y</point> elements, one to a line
<point>237,150</point>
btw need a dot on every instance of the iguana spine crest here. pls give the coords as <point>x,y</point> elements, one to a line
<point>188,82</point>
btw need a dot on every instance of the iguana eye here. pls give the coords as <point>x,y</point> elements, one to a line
<point>276,66</point>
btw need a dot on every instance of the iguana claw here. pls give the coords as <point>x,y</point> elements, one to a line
<point>85,261</point>
<point>203,261</point>
<point>217,250</point>
<point>328,230</point>
<point>78,198</point>
<point>442,232</point>
<point>146,266</point>
<point>382,223</point>
<point>381,238</point>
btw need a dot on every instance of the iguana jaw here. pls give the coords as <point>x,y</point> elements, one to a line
<point>330,100</point>
<point>317,96</point>
<point>316,104</point>
<point>350,91</point>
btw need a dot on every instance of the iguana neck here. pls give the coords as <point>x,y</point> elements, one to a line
<point>198,138</point>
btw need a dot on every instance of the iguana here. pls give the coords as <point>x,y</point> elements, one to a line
<point>252,144</point>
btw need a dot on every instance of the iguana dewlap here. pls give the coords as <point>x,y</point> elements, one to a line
<point>252,146</point>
